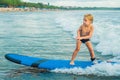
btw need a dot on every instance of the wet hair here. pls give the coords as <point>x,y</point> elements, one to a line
<point>89,17</point>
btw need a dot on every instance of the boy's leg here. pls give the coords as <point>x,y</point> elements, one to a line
<point>78,44</point>
<point>90,48</point>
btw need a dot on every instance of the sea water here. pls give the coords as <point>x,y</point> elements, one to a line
<point>51,35</point>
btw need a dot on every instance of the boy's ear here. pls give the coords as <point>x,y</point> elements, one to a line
<point>91,21</point>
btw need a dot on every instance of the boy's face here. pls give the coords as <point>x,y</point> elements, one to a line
<point>86,22</point>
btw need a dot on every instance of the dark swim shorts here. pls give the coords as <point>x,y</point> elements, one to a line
<point>84,40</point>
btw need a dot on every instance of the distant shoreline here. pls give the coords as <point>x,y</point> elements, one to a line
<point>37,9</point>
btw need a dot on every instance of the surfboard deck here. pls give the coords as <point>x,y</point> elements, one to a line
<point>48,64</point>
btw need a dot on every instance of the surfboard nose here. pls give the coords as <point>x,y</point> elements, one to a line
<point>12,58</point>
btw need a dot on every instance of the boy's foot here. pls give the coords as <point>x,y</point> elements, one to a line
<point>94,60</point>
<point>72,63</point>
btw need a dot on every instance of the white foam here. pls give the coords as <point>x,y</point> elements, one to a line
<point>102,69</point>
<point>68,23</point>
<point>108,41</point>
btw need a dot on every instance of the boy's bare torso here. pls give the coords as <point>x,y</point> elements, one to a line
<point>85,31</point>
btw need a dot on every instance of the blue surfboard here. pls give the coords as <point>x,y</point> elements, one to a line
<point>48,64</point>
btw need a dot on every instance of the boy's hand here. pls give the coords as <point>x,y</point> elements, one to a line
<point>78,38</point>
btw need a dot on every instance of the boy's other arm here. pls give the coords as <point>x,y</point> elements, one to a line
<point>78,34</point>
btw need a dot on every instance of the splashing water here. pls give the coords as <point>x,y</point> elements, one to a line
<point>102,69</point>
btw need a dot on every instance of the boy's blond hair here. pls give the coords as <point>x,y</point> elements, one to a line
<point>89,17</point>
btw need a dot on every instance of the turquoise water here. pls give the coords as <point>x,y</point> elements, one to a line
<point>51,35</point>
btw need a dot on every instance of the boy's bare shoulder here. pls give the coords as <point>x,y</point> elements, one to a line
<point>81,26</point>
<point>92,27</point>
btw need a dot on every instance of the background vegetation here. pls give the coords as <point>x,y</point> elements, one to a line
<point>21,4</point>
